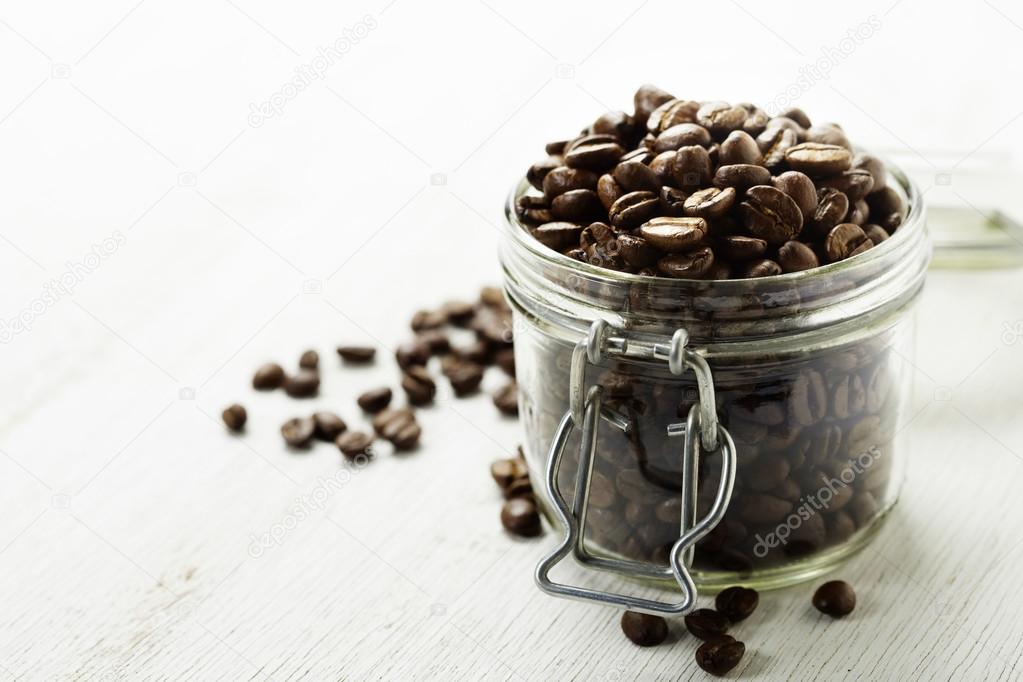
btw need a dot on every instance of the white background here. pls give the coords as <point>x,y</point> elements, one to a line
<point>128,512</point>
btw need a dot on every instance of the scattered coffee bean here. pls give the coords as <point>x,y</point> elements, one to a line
<point>328,426</point>
<point>436,340</point>
<point>298,431</point>
<point>357,355</point>
<point>413,353</point>
<point>465,377</point>
<point>836,598</point>
<point>644,629</point>
<point>505,359</point>
<point>504,471</point>
<point>507,399</point>
<point>418,385</point>
<point>235,417</point>
<point>268,377</point>
<point>374,400</point>
<point>519,516</point>
<point>401,429</point>
<point>737,603</point>
<point>718,656</point>
<point>303,384</point>
<point>388,419</point>
<point>354,443</point>
<point>458,313</point>
<point>706,623</point>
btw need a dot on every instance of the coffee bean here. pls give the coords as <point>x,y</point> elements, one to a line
<point>808,403</point>
<point>564,179</point>
<point>374,400</point>
<point>436,340</point>
<point>741,176</point>
<point>616,123</point>
<point>796,256</point>
<point>674,234</point>
<point>681,135</point>
<point>886,208</point>
<point>504,471</point>
<point>403,432</point>
<point>428,319</point>
<point>844,241</point>
<point>636,251</point>
<point>764,267</point>
<point>328,426</point>
<point>310,359</point>
<point>609,191</point>
<point>672,201</point>
<point>829,134</point>
<point>520,517</point>
<point>693,265</point>
<point>774,143</point>
<point>519,487</point>
<point>672,113</point>
<point>505,359</point>
<point>594,153</point>
<point>477,352</point>
<point>354,443</point>
<point>298,431</point>
<point>762,508</point>
<point>634,176</point>
<point>418,385</point>
<point>766,472</point>
<point>633,209</point>
<point>689,169</point>
<point>737,603</point>
<point>235,417</point>
<point>875,167</point>
<point>458,312</point>
<point>739,148</point>
<point>303,384</point>
<point>875,233</point>
<point>741,248</point>
<point>818,160</point>
<point>771,215</point>
<point>558,235</point>
<point>721,118</point>
<point>412,353</point>
<point>718,656</point>
<point>706,623</point>
<point>836,598</point>
<point>854,184</point>
<point>832,206</point>
<point>858,213</point>
<point>800,187</point>
<point>268,377</point>
<point>356,355</point>
<point>647,98</point>
<point>644,629</point>
<point>465,377</point>
<point>577,205</point>
<point>389,415</point>
<point>663,165</point>
<point>532,210</point>
<point>539,170</point>
<point>507,399</point>
<point>709,203</point>
<point>797,115</point>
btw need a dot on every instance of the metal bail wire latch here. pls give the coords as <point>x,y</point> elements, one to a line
<point>700,432</point>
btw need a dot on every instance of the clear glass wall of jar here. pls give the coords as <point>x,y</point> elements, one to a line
<point>811,372</point>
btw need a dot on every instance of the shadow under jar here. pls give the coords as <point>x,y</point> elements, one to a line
<point>811,373</point>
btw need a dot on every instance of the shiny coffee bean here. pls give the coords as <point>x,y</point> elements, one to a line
<point>375,400</point>
<point>689,168</point>
<point>681,135</point>
<point>672,113</point>
<point>829,134</point>
<point>356,355</point>
<point>633,209</point>
<point>634,176</point>
<point>672,202</point>
<point>310,359</point>
<point>558,235</point>
<point>608,190</point>
<point>739,148</point>
<point>844,241</point>
<point>693,265</point>
<point>647,98</point>
<point>832,206</point>
<point>740,248</point>
<point>854,184</point>
<point>706,623</point>
<point>564,179</point>
<point>506,399</point>
<point>720,655</point>
<point>771,215</point>
<point>298,432</point>
<point>674,234</point>
<point>595,153</point>
<point>539,170</point>
<point>774,143</point>
<point>818,160</point>
<point>721,118</point>
<point>519,516</point>
<point>741,176</point>
<point>327,426</point>
<point>354,443</point>
<point>875,167</point>
<point>800,187</point>
<point>808,403</point>
<point>577,205</point>
<point>268,377</point>
<point>875,233</point>
<point>835,598</point>
<point>644,629</point>
<point>235,417</point>
<point>764,267</point>
<point>418,385</point>
<point>303,384</point>
<point>796,256</point>
<point>709,203</point>
<point>737,603</point>
<point>636,251</point>
<point>465,377</point>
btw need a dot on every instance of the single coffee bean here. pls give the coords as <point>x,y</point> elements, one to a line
<point>875,233</point>
<point>387,416</point>
<point>436,340</point>
<point>844,241</point>
<point>829,134</point>
<point>268,377</point>
<point>774,142</point>
<point>741,176</point>
<point>854,184</point>
<point>235,417</point>
<point>740,248</point>
<point>832,206</point>
<point>709,203</point>
<point>800,187</point>
<point>644,629</point>
<point>412,353</point>
<point>354,443</point>
<point>836,598</point>
<point>634,176</point>
<point>505,359</point>
<point>808,402</point>
<point>465,377</point>
<point>674,234</point>
<point>739,148</point>
<point>796,256</point>
<point>596,233</point>
<point>504,471</point>
<point>298,431</point>
<point>609,191</point>
<point>595,153</point>
<point>555,148</point>
<point>706,623</point>
<point>764,267</point>
<point>672,113</point>
<point>858,213</point>
<point>507,399</point>
<point>328,426</point>
<point>761,508</point>
<point>636,251</point>
<point>519,487</point>
<point>647,98</point>
<point>721,118</point>
<point>520,517</point>
<point>663,165</point>
<point>818,160</point>
<point>737,603</point>
<point>577,205</point>
<point>403,434</point>
<point>771,215</point>
<point>375,400</point>
<point>766,472</point>
<point>693,265</point>
<point>633,209</point>
<point>558,235</point>
<point>681,135</point>
<point>672,201</point>
<point>616,123</point>
<point>458,312</point>
<point>356,355</point>
<point>689,169</point>
<point>309,360</point>
<point>797,115</point>
<point>875,167</point>
<point>303,384</point>
<point>564,179</point>
<point>718,656</point>
<point>539,170</point>
<point>886,208</point>
<point>418,385</point>
<point>428,319</point>
<point>533,210</point>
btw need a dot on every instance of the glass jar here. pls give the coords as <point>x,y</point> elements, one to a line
<point>810,376</point>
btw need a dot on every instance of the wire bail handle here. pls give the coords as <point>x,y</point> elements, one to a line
<point>700,432</point>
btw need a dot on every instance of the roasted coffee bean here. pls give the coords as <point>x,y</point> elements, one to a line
<point>633,209</point>
<point>846,240</point>
<point>886,208</point>
<point>636,251</point>
<point>647,98</point>
<point>775,143</point>
<point>875,167</point>
<point>800,187</point>
<point>375,400</point>
<point>832,206</point>
<point>689,168</point>
<point>718,656</point>
<point>739,148</point>
<point>298,431</point>
<point>693,265</point>
<point>428,319</point>
<point>858,213</point>
<point>854,184</point>
<point>674,234</point>
<point>577,205</point>
<point>771,215</point>
<point>796,256</point>
<point>564,179</point>
<point>519,487</point>
<point>818,160</point>
<point>458,312</point>
<point>672,113</point>
<point>875,233</point>
<point>507,399</point>
<point>436,340</point>
<point>616,123</point>
<point>721,118</point>
<point>797,115</point>
<point>412,353</point>
<point>268,377</point>
<point>558,235</point>
<point>634,176</point>
<point>762,508</point>
<point>356,355</point>
<point>644,629</point>
<point>709,203</point>
<point>504,471</point>
<point>235,417</point>
<point>477,352</point>
<point>596,233</point>
<point>533,210</point>
<point>609,191</point>
<point>594,153</point>
<point>706,623</point>
<point>741,248</point>
<point>519,516</point>
<point>737,603</point>
<point>539,170</point>
<point>403,433</point>
<point>741,176</point>
<point>836,598</point>
<point>303,384</point>
<point>681,135</point>
<point>328,426</point>
<point>672,201</point>
<point>310,359</point>
<point>389,415</point>
<point>764,267</point>
<point>418,385</point>
<point>766,472</point>
<point>663,166</point>
<point>465,377</point>
<point>808,403</point>
<point>828,133</point>
<point>354,443</point>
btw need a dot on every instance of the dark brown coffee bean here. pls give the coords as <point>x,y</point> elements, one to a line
<point>644,629</point>
<point>519,487</point>
<point>505,359</point>
<point>532,210</point>
<point>636,251</point>
<point>328,426</point>
<point>418,385</point>
<point>458,312</point>
<point>718,656</point>
<point>797,115</point>
<point>633,209</point>
<point>800,187</point>
<point>389,415</point>
<point>836,598</point>
<point>828,133</point>
<point>564,179</point>
<point>356,355</point>
<point>298,432</point>
<point>764,267</point>
<point>235,417</point>
<point>412,353</point>
<point>844,241</point>
<point>616,123</point>
<point>875,233</point>
<point>672,113</point>
<point>504,471</point>
<point>766,472</point>
<point>577,205</point>
<point>808,402</point>
<point>796,256</point>
<point>608,190</point>
<point>737,603</point>
<point>436,340</point>
<point>875,167</point>
<point>693,265</point>
<point>832,206</point>
<point>403,433</point>
<point>681,135</point>
<point>520,517</point>
<point>477,352</point>
<point>741,176</point>
<point>760,508</point>
<point>310,359</point>
<point>706,623</point>
<point>354,443</point>
<point>663,166</point>
<point>268,377</point>
<point>596,233</point>
<point>375,400</point>
<point>854,184</point>
<point>558,235</point>
<point>709,203</point>
<point>428,319</point>
<point>771,215</point>
<point>740,248</point>
<point>858,213</point>
<point>818,160</point>
<point>674,234</point>
<point>739,148</point>
<point>507,399</point>
<point>539,170</point>
<point>886,208</point>
<point>721,118</point>
<point>594,153</point>
<point>634,176</point>
<point>689,169</point>
<point>672,201</point>
<point>647,98</point>
<point>303,384</point>
<point>774,142</point>
<point>465,377</point>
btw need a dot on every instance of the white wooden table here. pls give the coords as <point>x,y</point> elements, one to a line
<point>139,540</point>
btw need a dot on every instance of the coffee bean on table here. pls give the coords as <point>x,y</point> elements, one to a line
<point>794,256</point>
<point>436,340</point>
<point>519,516</point>
<point>771,215</point>
<point>309,360</point>
<point>418,385</point>
<point>644,629</point>
<point>235,417</point>
<point>718,656</point>
<point>412,353</point>
<point>836,598</point>
<point>520,486</point>
<point>356,355</point>
<point>374,400</point>
<point>844,241</point>
<point>458,312</point>
<point>303,384</point>
<point>506,399</point>
<point>354,443</point>
<point>706,623</point>
<point>506,470</point>
<point>428,319</point>
<point>465,377</point>
<point>328,426</point>
<point>505,359</point>
<point>268,377</point>
<point>737,603</point>
<point>402,430</point>
<point>298,431</point>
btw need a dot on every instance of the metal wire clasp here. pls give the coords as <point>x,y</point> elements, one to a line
<point>701,431</point>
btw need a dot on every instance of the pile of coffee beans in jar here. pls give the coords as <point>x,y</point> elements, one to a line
<point>708,190</point>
